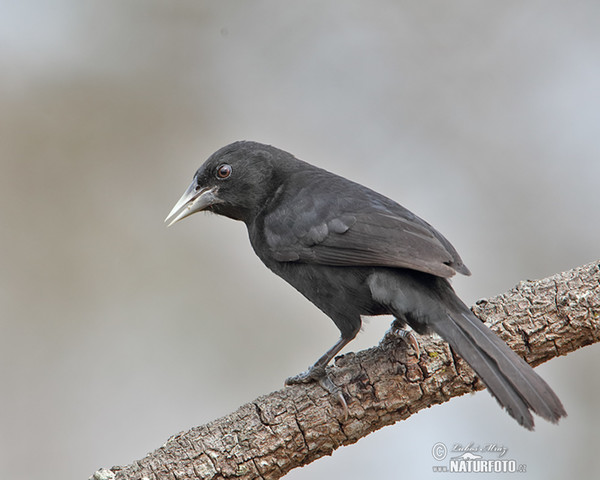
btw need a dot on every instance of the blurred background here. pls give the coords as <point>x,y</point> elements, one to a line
<point>116,332</point>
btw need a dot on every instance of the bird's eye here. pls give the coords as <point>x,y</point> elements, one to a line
<point>224,171</point>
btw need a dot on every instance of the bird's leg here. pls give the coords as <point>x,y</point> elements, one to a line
<point>317,373</point>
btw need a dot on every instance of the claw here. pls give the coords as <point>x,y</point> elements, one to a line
<point>413,341</point>
<point>333,389</point>
<point>317,374</point>
<point>408,336</point>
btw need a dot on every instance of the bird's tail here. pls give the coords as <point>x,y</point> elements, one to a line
<point>516,386</point>
<point>507,376</point>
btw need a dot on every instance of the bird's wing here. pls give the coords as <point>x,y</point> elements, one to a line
<point>366,231</point>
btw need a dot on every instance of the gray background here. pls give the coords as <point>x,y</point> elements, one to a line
<point>482,117</point>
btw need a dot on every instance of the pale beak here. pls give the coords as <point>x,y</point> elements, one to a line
<point>195,199</point>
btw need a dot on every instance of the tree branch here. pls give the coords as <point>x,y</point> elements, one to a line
<point>296,425</point>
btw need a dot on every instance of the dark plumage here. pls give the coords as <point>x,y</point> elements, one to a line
<point>354,252</point>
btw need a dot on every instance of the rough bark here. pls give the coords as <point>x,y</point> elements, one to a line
<point>296,425</point>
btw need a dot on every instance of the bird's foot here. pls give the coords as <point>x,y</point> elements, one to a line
<point>318,374</point>
<point>408,336</point>
<point>336,391</point>
<point>313,374</point>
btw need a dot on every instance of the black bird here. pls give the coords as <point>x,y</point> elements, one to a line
<point>352,252</point>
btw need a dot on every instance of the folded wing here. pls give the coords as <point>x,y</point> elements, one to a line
<point>366,230</point>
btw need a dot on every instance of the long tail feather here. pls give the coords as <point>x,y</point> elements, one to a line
<point>508,377</point>
<point>428,303</point>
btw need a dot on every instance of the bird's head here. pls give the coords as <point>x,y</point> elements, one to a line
<point>235,181</point>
